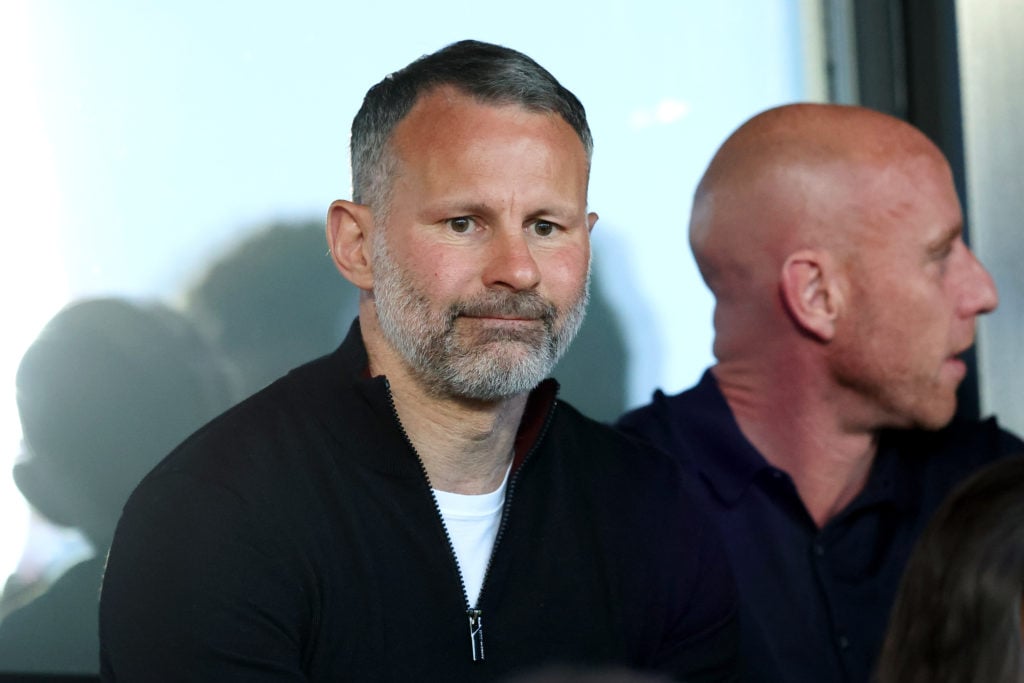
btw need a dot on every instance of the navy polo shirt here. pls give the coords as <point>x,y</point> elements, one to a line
<point>814,603</point>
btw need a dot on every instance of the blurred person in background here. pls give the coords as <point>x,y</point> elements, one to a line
<point>272,302</point>
<point>106,390</point>
<point>957,617</point>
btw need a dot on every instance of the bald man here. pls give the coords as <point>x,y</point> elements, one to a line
<point>832,239</point>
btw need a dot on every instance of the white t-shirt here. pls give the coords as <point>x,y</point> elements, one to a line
<point>472,523</point>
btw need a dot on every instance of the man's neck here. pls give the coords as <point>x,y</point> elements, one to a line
<point>798,427</point>
<point>465,446</point>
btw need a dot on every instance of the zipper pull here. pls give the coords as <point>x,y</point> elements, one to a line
<point>476,633</point>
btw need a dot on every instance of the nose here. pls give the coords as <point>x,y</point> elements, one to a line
<point>979,293</point>
<point>511,262</point>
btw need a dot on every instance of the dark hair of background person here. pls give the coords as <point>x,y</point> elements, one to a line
<point>490,73</point>
<point>273,302</point>
<point>957,617</point>
<point>106,390</point>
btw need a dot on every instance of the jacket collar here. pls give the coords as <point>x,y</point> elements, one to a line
<point>357,409</point>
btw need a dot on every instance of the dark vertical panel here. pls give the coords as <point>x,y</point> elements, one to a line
<point>881,55</point>
<point>933,77</point>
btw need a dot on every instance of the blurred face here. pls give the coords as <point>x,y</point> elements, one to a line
<point>915,292</point>
<point>481,270</point>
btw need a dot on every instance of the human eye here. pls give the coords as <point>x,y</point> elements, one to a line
<point>461,224</point>
<point>544,228</point>
<point>945,250</point>
<point>943,247</point>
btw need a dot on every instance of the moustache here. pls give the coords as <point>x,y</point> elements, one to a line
<point>526,305</point>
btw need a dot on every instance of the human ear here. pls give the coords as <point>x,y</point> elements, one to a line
<point>591,220</point>
<point>348,226</point>
<point>811,293</point>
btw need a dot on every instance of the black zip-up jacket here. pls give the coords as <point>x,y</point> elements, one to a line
<point>295,538</point>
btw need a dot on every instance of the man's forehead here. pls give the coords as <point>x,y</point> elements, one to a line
<point>444,106</point>
<point>923,177</point>
<point>445,102</point>
<point>900,177</point>
<point>455,123</point>
<point>914,199</point>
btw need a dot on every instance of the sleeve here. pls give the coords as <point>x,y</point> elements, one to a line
<point>194,590</point>
<point>681,598</point>
<point>702,645</point>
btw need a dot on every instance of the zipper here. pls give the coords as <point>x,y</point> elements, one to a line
<point>475,615</point>
<point>510,493</point>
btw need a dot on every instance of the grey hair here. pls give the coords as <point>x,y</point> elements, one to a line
<point>491,74</point>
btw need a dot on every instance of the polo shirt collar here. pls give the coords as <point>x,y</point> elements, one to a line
<point>731,462</point>
<point>889,481</point>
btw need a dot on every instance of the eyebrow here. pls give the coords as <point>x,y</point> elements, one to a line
<point>475,208</point>
<point>947,237</point>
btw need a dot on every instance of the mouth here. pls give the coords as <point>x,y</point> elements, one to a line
<point>488,326</point>
<point>507,311</point>
<point>502,327</point>
<point>956,366</point>
<point>501,318</point>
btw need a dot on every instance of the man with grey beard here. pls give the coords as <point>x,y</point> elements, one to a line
<point>419,505</point>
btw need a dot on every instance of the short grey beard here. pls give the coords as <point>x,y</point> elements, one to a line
<point>429,344</point>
